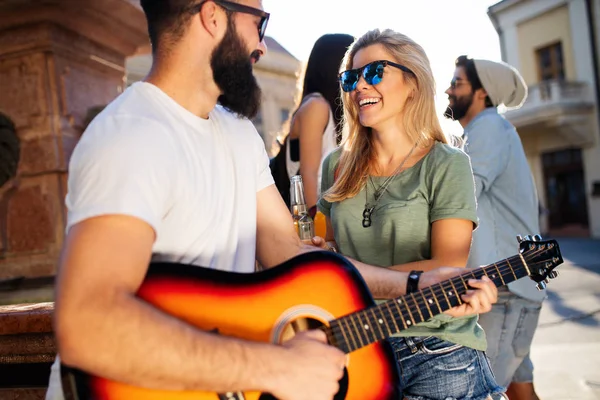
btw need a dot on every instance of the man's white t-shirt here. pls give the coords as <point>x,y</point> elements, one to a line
<point>193,180</point>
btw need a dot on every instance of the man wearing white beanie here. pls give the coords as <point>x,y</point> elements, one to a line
<point>507,207</point>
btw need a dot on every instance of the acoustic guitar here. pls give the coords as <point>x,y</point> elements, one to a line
<point>318,290</point>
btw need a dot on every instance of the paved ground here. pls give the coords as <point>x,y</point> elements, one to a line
<point>566,348</point>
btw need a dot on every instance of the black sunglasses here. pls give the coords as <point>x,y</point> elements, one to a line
<point>454,83</point>
<point>236,7</point>
<point>372,73</point>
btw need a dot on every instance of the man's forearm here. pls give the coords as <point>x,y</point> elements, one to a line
<point>132,342</point>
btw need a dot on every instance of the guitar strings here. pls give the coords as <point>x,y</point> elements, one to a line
<point>443,287</point>
<point>411,303</point>
<point>502,268</point>
<point>396,312</point>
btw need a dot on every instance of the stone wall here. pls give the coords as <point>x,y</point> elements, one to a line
<point>57,60</point>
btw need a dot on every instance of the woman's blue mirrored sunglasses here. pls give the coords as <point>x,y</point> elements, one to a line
<point>372,73</point>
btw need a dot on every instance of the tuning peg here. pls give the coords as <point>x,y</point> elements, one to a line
<point>541,285</point>
<point>529,238</point>
<point>519,238</point>
<point>553,274</point>
<point>537,238</point>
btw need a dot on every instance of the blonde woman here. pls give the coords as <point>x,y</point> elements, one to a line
<point>399,196</point>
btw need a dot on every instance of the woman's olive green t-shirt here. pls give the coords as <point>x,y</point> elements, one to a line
<point>438,186</point>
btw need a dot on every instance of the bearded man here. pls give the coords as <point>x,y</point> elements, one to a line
<point>507,206</point>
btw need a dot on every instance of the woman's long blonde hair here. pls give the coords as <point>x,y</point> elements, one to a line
<point>421,123</point>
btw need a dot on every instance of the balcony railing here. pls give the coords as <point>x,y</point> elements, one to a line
<point>549,100</point>
<point>557,108</point>
<point>558,92</point>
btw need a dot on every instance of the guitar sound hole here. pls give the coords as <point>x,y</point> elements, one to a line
<point>299,325</point>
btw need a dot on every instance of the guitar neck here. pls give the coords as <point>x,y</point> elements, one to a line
<point>359,329</point>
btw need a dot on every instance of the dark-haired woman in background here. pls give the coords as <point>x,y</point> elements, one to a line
<point>315,128</point>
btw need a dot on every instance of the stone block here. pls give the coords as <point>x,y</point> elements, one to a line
<point>26,318</point>
<point>30,221</point>
<point>40,155</point>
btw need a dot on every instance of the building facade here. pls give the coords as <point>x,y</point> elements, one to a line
<point>555,46</point>
<point>277,74</point>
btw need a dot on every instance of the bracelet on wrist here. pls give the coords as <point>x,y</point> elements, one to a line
<point>412,283</point>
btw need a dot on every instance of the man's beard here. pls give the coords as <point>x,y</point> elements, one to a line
<point>232,72</point>
<point>459,108</point>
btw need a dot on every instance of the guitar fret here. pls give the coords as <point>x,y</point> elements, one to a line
<point>387,303</point>
<point>456,292</point>
<point>356,334</point>
<point>339,336</point>
<point>464,282</point>
<point>347,332</point>
<point>522,268</point>
<point>436,300</point>
<point>417,306</point>
<point>473,274</point>
<point>496,279</point>
<point>373,324</point>
<point>485,273</point>
<point>524,264</point>
<point>343,331</point>
<point>364,328</point>
<point>380,321</point>
<point>426,304</point>
<point>500,274</point>
<point>511,269</point>
<point>369,326</point>
<point>401,316</point>
<point>360,327</point>
<point>444,293</point>
<point>410,315</point>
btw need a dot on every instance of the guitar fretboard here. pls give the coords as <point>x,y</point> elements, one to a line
<point>364,327</point>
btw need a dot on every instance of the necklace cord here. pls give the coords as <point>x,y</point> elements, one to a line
<point>369,208</point>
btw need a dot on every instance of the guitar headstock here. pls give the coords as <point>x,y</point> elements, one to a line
<point>541,257</point>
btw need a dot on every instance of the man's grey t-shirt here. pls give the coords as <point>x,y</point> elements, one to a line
<point>507,202</point>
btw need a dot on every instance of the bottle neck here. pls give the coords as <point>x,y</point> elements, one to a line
<point>299,209</point>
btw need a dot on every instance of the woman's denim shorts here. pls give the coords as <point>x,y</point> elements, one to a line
<point>434,369</point>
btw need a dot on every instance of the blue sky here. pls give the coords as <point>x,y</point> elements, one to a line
<point>445,29</point>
